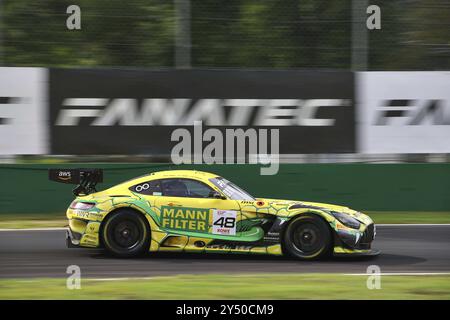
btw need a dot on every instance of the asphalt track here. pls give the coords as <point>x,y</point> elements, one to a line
<point>405,249</point>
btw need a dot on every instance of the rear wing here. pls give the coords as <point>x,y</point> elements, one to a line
<point>85,179</point>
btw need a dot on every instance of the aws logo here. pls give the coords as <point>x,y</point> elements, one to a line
<point>64,175</point>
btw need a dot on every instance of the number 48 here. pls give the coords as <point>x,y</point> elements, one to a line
<point>225,222</point>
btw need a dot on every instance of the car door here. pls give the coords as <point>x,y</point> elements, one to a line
<point>188,206</point>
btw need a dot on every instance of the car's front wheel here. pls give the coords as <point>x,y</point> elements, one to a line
<point>308,237</point>
<point>126,233</point>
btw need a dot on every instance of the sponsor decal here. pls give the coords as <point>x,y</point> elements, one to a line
<point>92,227</point>
<point>183,112</point>
<point>23,113</point>
<point>407,112</point>
<point>141,187</point>
<point>86,215</point>
<point>64,175</point>
<point>315,107</point>
<point>224,222</point>
<point>272,237</point>
<point>80,214</point>
<point>404,112</point>
<point>340,226</point>
<point>229,247</point>
<point>188,219</point>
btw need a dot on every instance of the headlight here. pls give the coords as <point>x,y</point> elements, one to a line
<point>347,220</point>
<point>81,205</point>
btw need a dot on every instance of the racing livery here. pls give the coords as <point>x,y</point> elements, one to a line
<point>194,211</point>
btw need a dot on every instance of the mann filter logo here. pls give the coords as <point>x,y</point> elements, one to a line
<point>413,112</point>
<point>213,112</point>
<point>189,219</point>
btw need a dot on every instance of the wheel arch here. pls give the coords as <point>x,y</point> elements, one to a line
<point>327,218</point>
<point>126,206</point>
<point>139,205</point>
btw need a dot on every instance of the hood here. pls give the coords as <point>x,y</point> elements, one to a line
<point>292,205</point>
<point>278,203</point>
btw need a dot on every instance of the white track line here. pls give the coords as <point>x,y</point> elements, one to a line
<point>259,275</point>
<point>127,278</point>
<point>399,274</point>
<point>412,224</point>
<point>35,229</point>
<point>244,275</point>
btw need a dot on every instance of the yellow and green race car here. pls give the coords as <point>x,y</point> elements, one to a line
<point>194,211</point>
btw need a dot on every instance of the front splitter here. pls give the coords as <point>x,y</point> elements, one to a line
<point>368,253</point>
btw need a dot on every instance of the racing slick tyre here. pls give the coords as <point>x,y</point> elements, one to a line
<point>308,237</point>
<point>126,233</point>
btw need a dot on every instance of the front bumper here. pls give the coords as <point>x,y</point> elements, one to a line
<point>356,253</point>
<point>350,242</point>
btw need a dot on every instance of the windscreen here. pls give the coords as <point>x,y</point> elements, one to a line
<point>231,190</point>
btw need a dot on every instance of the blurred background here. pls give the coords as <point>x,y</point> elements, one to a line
<point>275,34</point>
<point>283,49</point>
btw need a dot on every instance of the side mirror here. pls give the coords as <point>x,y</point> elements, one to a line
<point>216,195</point>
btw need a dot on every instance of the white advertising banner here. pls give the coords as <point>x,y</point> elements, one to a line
<point>23,111</point>
<point>403,112</point>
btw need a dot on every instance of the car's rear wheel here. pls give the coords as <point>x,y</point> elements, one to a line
<point>308,237</point>
<point>126,233</point>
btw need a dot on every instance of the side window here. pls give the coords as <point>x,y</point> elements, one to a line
<point>185,188</point>
<point>150,188</point>
<point>197,189</point>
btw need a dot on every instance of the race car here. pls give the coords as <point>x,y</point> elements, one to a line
<point>194,211</point>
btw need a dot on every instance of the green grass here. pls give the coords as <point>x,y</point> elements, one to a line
<point>409,217</point>
<point>27,220</point>
<point>262,286</point>
<point>40,220</point>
